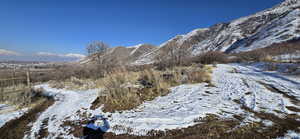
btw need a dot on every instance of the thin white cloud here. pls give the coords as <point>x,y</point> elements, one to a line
<point>4,52</point>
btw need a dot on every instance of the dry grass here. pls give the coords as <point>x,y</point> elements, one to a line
<point>22,97</point>
<point>125,90</point>
<point>74,84</point>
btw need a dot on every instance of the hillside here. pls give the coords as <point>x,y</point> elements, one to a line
<point>120,54</point>
<point>277,24</point>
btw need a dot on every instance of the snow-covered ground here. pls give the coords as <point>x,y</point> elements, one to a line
<point>188,102</point>
<point>66,105</point>
<point>290,135</point>
<point>234,86</point>
<point>8,113</point>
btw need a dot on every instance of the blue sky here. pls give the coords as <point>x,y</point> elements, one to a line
<point>66,26</point>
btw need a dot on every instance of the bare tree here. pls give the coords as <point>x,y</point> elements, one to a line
<point>181,54</point>
<point>96,47</point>
<point>176,54</point>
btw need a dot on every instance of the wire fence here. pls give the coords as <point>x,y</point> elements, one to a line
<point>19,80</point>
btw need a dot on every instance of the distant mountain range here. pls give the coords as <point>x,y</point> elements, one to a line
<point>8,55</point>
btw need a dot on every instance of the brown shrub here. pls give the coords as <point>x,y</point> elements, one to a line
<point>211,57</point>
<point>266,54</point>
<point>199,76</point>
<point>125,90</point>
<point>251,56</point>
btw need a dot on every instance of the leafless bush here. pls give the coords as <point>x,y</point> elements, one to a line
<point>293,69</point>
<point>211,57</point>
<point>96,47</point>
<point>163,64</point>
<point>271,67</point>
<point>266,54</point>
<point>78,71</point>
<point>255,55</point>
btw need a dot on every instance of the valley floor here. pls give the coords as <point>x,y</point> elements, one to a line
<point>238,92</point>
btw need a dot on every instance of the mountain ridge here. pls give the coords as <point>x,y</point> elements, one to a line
<point>277,24</point>
<point>247,33</point>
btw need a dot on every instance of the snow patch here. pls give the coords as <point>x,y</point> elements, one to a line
<point>8,113</point>
<point>136,47</point>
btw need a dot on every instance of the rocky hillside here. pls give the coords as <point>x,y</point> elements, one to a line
<point>277,24</point>
<point>121,54</point>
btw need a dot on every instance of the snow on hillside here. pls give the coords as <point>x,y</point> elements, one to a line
<point>136,47</point>
<point>147,58</point>
<point>233,83</point>
<point>280,8</point>
<point>8,113</point>
<point>190,34</point>
<point>286,30</point>
<point>274,25</point>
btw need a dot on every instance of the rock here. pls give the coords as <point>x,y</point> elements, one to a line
<point>145,83</point>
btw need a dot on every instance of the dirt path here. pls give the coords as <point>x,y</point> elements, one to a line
<point>16,129</point>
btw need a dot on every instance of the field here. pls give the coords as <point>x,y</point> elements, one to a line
<point>239,101</point>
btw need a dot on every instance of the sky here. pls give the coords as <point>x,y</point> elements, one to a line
<point>66,26</point>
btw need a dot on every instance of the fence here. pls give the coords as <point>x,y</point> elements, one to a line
<point>13,83</point>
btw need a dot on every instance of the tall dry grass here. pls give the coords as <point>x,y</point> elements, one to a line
<point>125,89</point>
<point>22,97</point>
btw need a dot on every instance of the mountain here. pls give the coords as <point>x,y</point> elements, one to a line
<point>9,55</point>
<point>277,24</point>
<point>121,54</point>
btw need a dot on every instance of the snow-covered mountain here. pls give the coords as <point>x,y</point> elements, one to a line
<point>277,24</point>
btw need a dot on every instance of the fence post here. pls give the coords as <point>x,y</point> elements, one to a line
<point>14,76</point>
<point>1,87</point>
<point>28,78</point>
